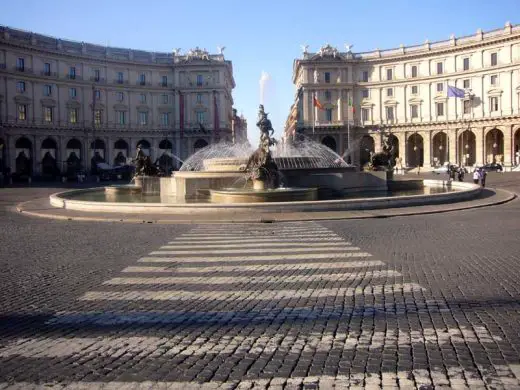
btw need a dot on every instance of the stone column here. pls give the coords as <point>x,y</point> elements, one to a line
<point>508,146</point>
<point>402,147</point>
<point>452,139</point>
<point>427,147</point>
<point>479,145</point>
<point>109,144</point>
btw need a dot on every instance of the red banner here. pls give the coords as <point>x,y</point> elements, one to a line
<point>181,113</point>
<point>216,122</point>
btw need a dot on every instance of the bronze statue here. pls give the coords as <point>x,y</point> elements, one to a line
<point>384,160</point>
<point>143,164</point>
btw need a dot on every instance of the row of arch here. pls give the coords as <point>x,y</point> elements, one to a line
<point>73,159</point>
<point>439,152</point>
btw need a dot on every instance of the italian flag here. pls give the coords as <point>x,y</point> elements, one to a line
<point>351,105</point>
<point>317,103</point>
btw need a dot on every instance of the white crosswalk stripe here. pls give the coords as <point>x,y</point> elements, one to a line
<point>165,249</point>
<point>241,259</point>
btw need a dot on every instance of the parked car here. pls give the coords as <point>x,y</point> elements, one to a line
<point>444,169</point>
<point>493,167</point>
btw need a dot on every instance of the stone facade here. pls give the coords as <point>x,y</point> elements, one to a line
<point>403,92</point>
<point>61,98</point>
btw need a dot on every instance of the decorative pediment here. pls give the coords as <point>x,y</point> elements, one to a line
<point>367,104</point>
<point>120,107</point>
<point>143,108</point>
<point>415,100</point>
<point>73,104</point>
<point>22,99</point>
<point>101,106</point>
<point>390,102</point>
<point>48,102</point>
<point>494,92</point>
<point>440,99</point>
<point>329,106</point>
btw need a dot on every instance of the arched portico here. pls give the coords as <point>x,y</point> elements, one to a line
<point>330,142</point>
<point>415,152</point>
<point>366,147</point>
<point>494,146</point>
<point>467,148</point>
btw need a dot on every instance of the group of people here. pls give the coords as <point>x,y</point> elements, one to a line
<point>479,175</point>
<point>454,170</point>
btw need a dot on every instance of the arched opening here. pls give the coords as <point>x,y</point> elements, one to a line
<point>49,163</point>
<point>366,148</point>
<point>517,147</point>
<point>495,146</point>
<point>415,150</point>
<point>73,153</point>
<point>121,151</point>
<point>199,144</point>
<point>330,142</point>
<point>467,148</point>
<point>165,145</point>
<point>394,141</point>
<point>2,155</point>
<point>23,157</point>
<point>440,148</point>
<point>98,155</point>
<point>165,161</point>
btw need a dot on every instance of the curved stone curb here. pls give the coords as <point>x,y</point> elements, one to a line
<point>41,208</point>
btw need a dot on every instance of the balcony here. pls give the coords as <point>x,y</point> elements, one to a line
<point>143,83</point>
<point>97,79</point>
<point>74,77</point>
<point>48,74</point>
<point>121,82</point>
<point>22,69</point>
<point>165,85</point>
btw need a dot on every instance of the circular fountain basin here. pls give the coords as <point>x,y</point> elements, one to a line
<point>123,189</point>
<point>235,195</point>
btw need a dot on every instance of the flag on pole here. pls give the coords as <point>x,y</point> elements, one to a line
<point>317,103</point>
<point>351,105</point>
<point>455,92</point>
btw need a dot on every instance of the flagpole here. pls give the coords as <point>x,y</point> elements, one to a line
<point>313,108</point>
<point>348,123</point>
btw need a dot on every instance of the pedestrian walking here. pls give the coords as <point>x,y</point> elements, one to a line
<point>460,174</point>
<point>483,175</point>
<point>476,176</point>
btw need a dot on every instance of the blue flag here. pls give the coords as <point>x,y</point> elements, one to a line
<point>455,92</point>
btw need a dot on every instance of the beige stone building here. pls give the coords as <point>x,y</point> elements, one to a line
<point>65,104</point>
<point>403,92</point>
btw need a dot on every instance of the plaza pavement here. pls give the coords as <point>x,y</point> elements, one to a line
<point>425,301</point>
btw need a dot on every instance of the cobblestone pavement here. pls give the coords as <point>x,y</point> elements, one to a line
<point>410,302</point>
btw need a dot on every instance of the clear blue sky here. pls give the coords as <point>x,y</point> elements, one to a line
<point>259,36</point>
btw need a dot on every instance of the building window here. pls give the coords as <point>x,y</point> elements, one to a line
<point>143,118</point>
<point>439,68</point>
<point>327,77</point>
<point>414,111</point>
<point>365,76</point>
<point>22,112</point>
<point>465,64</point>
<point>96,75</point>
<point>165,118</point>
<point>164,82</point>
<point>20,64</point>
<point>327,96</point>
<point>389,113</point>
<point>389,92</point>
<point>165,99</point>
<point>47,90</point>
<point>414,71</point>
<point>328,115</point>
<point>142,79</point>
<point>47,114</point>
<point>121,117</point>
<point>440,87</point>
<point>120,78</point>
<point>494,103</point>
<point>98,115</point>
<point>120,96</point>
<point>72,72</point>
<point>465,83</point>
<point>199,98</point>
<point>467,106</point>
<point>73,115</point>
<point>365,114</point>
<point>440,109</point>
<point>47,69</point>
<point>142,98</point>
<point>20,86</point>
<point>200,117</point>
<point>97,94</point>
<point>494,59</point>
<point>389,74</point>
<point>72,92</point>
<point>415,89</point>
<point>200,80</point>
<point>364,93</point>
<point>494,79</point>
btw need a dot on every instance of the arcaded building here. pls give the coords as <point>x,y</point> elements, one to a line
<point>66,105</point>
<point>343,96</point>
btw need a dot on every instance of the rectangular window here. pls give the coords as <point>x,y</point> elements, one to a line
<point>165,118</point>
<point>465,64</point>
<point>494,79</point>
<point>164,81</point>
<point>22,112</point>
<point>72,92</point>
<point>120,77</point>
<point>200,80</point>
<point>389,74</point>
<point>415,89</point>
<point>439,68</point>
<point>121,117</point>
<point>142,98</point>
<point>98,115</point>
<point>327,77</point>
<point>364,114</point>
<point>143,118</point>
<point>47,69</point>
<point>120,96</point>
<point>494,59</point>
<point>73,115</point>
<point>199,98</point>
<point>72,72</point>
<point>97,94</point>
<point>440,87</point>
<point>328,115</point>
<point>165,99</point>
<point>96,75</point>
<point>364,93</point>
<point>47,90</point>
<point>200,117</point>
<point>20,64</point>
<point>440,109</point>
<point>365,76</point>
<point>389,92</point>
<point>20,86</point>
<point>414,71</point>
<point>467,107</point>
<point>390,113</point>
<point>142,79</point>
<point>494,103</point>
<point>465,83</point>
<point>47,114</point>
<point>327,96</point>
<point>414,111</point>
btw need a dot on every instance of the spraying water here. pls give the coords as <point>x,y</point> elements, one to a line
<point>264,78</point>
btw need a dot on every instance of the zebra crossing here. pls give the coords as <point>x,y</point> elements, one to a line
<point>249,293</point>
